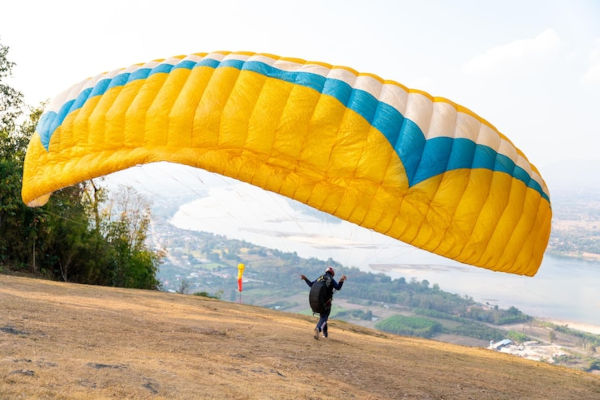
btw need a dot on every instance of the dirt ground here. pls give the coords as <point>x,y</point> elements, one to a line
<point>66,341</point>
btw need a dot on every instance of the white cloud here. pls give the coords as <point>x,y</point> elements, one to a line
<point>592,75</point>
<point>516,55</point>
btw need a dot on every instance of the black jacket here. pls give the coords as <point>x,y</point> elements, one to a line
<point>334,285</point>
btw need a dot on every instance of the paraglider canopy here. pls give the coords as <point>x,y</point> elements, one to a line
<point>417,168</point>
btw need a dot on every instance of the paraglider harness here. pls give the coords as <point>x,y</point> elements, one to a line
<point>321,294</point>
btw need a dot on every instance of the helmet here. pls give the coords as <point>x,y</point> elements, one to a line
<point>330,270</point>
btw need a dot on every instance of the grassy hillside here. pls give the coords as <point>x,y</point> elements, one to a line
<point>65,341</point>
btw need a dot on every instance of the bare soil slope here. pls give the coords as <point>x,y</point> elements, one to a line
<point>66,341</point>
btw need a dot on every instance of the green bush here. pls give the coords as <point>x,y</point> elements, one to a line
<point>496,316</point>
<point>476,330</point>
<point>438,314</point>
<point>355,314</point>
<point>217,295</point>
<point>411,326</point>
<point>518,337</point>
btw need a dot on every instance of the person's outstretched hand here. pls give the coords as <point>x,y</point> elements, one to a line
<point>343,278</point>
<point>303,277</point>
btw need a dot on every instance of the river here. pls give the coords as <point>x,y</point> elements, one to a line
<point>563,289</point>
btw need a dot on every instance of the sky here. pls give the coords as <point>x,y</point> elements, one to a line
<point>531,68</point>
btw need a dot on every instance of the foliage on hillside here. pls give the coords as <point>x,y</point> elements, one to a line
<point>590,338</point>
<point>411,326</point>
<point>275,272</point>
<point>81,235</point>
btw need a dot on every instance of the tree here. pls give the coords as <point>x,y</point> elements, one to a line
<point>11,100</point>
<point>551,336</point>
<point>63,232</point>
<point>75,236</point>
<point>17,222</point>
<point>126,227</point>
<point>184,286</point>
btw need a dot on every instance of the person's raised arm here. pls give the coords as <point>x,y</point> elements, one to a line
<point>338,285</point>
<point>309,283</point>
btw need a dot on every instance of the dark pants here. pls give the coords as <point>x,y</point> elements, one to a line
<point>322,324</point>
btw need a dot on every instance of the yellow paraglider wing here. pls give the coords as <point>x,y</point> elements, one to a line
<point>417,168</point>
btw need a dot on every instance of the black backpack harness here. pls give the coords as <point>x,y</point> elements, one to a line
<point>321,293</point>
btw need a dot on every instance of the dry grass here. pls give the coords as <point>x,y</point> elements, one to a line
<point>64,341</point>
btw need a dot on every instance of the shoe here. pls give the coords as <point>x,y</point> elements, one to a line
<point>316,334</point>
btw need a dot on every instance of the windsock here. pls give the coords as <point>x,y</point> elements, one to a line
<point>240,273</point>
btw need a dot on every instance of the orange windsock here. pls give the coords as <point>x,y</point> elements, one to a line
<point>240,273</point>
